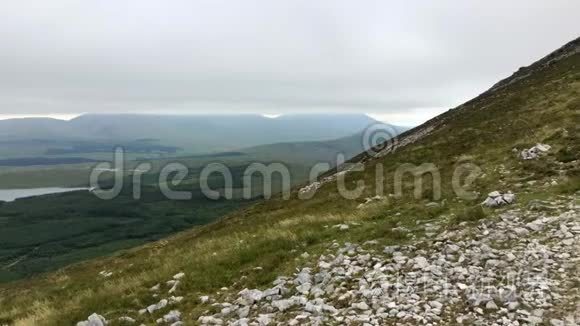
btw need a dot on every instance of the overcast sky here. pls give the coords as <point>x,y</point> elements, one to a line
<point>404,63</point>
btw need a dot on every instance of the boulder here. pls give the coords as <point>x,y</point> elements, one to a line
<point>420,262</point>
<point>160,305</point>
<point>249,297</point>
<point>495,199</point>
<point>172,316</point>
<point>93,320</point>
<point>534,152</point>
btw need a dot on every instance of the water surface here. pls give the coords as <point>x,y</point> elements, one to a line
<point>12,194</point>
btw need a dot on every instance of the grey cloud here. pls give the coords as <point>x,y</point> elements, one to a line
<point>267,56</point>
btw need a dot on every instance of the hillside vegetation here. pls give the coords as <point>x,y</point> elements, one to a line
<point>254,246</point>
<point>44,233</point>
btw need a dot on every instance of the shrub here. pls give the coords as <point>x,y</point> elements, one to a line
<point>566,155</point>
<point>569,187</point>
<point>470,214</point>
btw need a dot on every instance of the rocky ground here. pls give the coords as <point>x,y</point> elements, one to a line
<point>520,268</point>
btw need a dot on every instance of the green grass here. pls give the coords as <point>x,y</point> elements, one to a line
<point>470,214</point>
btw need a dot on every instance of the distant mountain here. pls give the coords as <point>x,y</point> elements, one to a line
<point>317,151</point>
<point>192,133</point>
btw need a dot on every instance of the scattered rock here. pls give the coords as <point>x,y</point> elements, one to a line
<point>105,274</point>
<point>204,299</point>
<point>310,188</point>
<point>174,287</point>
<point>490,305</point>
<point>178,276</point>
<point>360,306</point>
<point>172,316</point>
<point>495,199</point>
<point>342,227</point>
<point>154,307</point>
<point>534,152</point>
<point>93,320</point>
<point>249,297</point>
<point>505,270</point>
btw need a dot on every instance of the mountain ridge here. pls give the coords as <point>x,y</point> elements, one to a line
<point>191,134</point>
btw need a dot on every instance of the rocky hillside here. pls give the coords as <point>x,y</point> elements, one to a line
<point>505,252</point>
<point>520,267</point>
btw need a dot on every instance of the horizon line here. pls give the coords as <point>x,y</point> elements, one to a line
<point>380,116</point>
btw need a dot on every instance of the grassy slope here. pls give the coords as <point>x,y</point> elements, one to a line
<point>542,107</point>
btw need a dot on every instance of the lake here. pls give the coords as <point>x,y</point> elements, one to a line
<point>12,194</point>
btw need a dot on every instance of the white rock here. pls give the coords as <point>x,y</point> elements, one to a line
<point>172,316</point>
<point>462,286</point>
<point>178,276</point>
<point>536,225</point>
<point>401,314</point>
<point>342,227</point>
<point>282,305</point>
<point>420,262</point>
<point>264,320</point>
<point>174,287</point>
<point>249,297</point>
<point>435,304</point>
<point>510,257</point>
<point>535,151</point>
<point>495,199</point>
<point>490,305</point>
<point>204,299</point>
<point>360,306</point>
<point>93,320</point>
<point>513,305</point>
<point>304,288</point>
<point>174,300</point>
<point>519,231</point>
<point>160,305</point>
